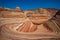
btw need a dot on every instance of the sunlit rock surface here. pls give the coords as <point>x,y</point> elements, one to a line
<point>17,24</point>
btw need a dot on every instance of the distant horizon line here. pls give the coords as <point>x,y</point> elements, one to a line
<point>26,8</point>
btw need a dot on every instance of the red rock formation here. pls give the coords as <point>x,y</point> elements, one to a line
<point>9,14</point>
<point>27,27</point>
<point>40,15</point>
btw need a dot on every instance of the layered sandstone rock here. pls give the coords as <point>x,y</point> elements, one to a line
<point>9,31</point>
<point>28,24</point>
<point>11,14</point>
<point>27,27</point>
<point>40,15</point>
<point>8,14</point>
